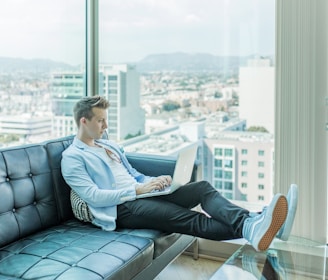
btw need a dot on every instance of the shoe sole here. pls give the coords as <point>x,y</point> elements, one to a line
<point>292,197</point>
<point>279,215</point>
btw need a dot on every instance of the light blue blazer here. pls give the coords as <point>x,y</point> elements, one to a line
<point>90,176</point>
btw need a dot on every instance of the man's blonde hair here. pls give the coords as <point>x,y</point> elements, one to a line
<point>83,108</point>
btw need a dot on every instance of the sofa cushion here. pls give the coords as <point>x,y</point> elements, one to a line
<point>162,240</point>
<point>76,250</point>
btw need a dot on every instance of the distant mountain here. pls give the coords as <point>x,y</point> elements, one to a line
<point>8,64</point>
<point>183,62</point>
<point>198,62</point>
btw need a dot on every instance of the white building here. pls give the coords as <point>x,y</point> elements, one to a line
<point>240,165</point>
<point>63,125</point>
<point>66,89</point>
<point>256,94</point>
<point>28,128</point>
<point>121,87</point>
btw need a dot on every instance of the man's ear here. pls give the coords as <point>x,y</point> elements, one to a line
<point>83,120</point>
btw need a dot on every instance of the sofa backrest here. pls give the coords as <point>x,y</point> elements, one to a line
<point>55,149</point>
<point>33,195</point>
<point>27,200</point>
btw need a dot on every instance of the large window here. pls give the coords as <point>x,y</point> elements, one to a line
<point>193,70</point>
<point>176,72</point>
<point>42,62</point>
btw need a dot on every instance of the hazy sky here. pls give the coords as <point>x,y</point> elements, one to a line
<point>133,29</point>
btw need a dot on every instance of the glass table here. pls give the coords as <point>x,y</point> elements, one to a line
<point>296,259</point>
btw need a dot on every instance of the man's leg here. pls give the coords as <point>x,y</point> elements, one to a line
<point>171,213</point>
<point>163,215</point>
<point>258,230</point>
<point>212,202</point>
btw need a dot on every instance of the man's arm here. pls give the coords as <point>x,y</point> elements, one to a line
<point>97,191</point>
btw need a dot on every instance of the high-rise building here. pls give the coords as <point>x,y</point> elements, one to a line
<point>66,89</point>
<point>118,83</point>
<point>240,165</point>
<point>256,94</point>
<point>121,87</point>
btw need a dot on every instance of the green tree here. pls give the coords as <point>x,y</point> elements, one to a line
<point>257,129</point>
<point>8,138</point>
<point>218,94</point>
<point>170,105</point>
<point>129,136</point>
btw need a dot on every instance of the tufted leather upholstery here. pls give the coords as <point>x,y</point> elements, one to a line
<point>39,237</point>
<point>76,251</point>
<point>27,198</point>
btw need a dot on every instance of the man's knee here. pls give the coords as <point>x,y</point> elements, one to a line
<point>206,184</point>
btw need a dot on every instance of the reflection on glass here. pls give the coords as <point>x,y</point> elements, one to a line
<point>297,259</point>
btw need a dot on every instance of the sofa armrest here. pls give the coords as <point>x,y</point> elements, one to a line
<point>156,165</point>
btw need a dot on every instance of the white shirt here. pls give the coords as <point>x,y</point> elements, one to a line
<point>123,178</point>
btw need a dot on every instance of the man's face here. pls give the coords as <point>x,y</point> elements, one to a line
<point>95,127</point>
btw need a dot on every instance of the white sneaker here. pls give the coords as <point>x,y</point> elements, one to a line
<point>261,229</point>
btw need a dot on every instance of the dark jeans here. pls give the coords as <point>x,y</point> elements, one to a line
<point>171,213</point>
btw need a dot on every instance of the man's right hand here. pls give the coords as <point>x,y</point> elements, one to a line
<point>157,183</point>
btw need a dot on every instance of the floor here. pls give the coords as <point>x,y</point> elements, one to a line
<point>186,268</point>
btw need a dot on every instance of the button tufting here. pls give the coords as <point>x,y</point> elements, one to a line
<point>7,179</point>
<point>34,203</point>
<point>14,210</point>
<point>74,264</point>
<point>30,174</point>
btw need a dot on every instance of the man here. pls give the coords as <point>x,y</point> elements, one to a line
<point>99,172</point>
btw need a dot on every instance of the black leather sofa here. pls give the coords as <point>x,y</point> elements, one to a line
<point>41,239</point>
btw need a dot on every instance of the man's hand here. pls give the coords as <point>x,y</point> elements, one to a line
<point>157,183</point>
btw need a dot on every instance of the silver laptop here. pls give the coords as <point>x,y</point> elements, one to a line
<point>182,172</point>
